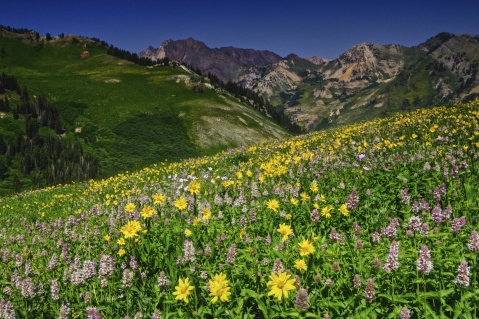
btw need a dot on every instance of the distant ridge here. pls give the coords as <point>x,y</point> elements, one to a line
<point>226,62</point>
<point>364,82</point>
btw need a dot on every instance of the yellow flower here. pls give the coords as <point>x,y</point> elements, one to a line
<point>205,214</point>
<point>239,175</point>
<point>131,229</point>
<point>326,211</point>
<point>130,208</point>
<point>196,221</point>
<point>314,187</point>
<point>280,284</point>
<point>158,199</point>
<point>288,216</point>
<point>121,241</point>
<point>300,265</point>
<point>106,237</point>
<point>249,173</point>
<point>306,248</point>
<point>147,212</point>
<point>194,187</point>
<point>219,288</point>
<point>183,290</point>
<point>188,232</point>
<point>343,209</point>
<point>273,204</point>
<point>284,230</point>
<point>180,203</point>
<point>242,232</point>
<point>304,196</point>
<point>121,252</point>
<point>294,201</point>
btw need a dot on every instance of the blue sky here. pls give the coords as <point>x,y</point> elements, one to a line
<point>303,27</point>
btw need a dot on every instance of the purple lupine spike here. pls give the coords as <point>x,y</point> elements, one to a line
<point>424,263</point>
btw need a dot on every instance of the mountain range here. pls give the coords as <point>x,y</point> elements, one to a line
<point>367,81</point>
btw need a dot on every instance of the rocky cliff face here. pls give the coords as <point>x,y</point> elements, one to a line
<point>364,82</point>
<point>226,63</point>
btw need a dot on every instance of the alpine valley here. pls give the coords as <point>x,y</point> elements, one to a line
<point>367,81</point>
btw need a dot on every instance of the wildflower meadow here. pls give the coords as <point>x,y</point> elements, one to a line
<point>373,220</point>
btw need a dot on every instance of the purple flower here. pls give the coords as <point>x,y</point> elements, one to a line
<point>353,200</point>
<point>93,313</point>
<point>392,262</point>
<point>424,263</point>
<point>277,266</point>
<point>436,214</point>
<point>425,229</point>
<point>357,281</point>
<point>302,299</point>
<point>458,223</point>
<point>230,258</point>
<point>376,237</point>
<point>474,242</point>
<point>405,197</point>
<point>188,251</point>
<point>415,223</point>
<point>370,292</point>
<point>462,278</point>
<point>315,216</point>
<point>405,313</point>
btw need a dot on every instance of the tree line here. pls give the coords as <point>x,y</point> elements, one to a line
<point>36,154</point>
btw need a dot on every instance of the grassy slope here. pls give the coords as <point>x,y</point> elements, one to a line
<point>130,116</point>
<point>396,152</point>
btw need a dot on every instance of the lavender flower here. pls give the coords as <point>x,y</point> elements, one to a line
<point>277,266</point>
<point>93,313</point>
<point>458,223</point>
<point>188,251</point>
<point>207,250</point>
<point>6,309</point>
<point>436,214</point>
<point>370,292</point>
<point>302,299</point>
<point>127,279</point>
<point>353,200</point>
<point>405,197</point>
<point>415,223</point>
<point>336,266</point>
<point>425,229</point>
<point>356,229</point>
<point>162,279</point>
<point>64,311</point>
<point>392,262</point>
<point>156,314</point>
<point>357,281</point>
<point>405,313</point>
<point>415,207</point>
<point>424,263</point>
<point>315,216</point>
<point>54,289</point>
<point>474,242</point>
<point>333,235</point>
<point>376,237</point>
<point>230,258</point>
<point>328,282</point>
<point>462,278</point>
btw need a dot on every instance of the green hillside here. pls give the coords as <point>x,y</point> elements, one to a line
<point>125,115</point>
